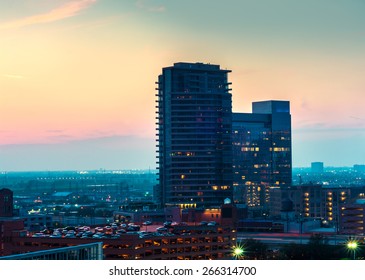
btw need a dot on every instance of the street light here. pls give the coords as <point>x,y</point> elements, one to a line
<point>237,251</point>
<point>352,246</point>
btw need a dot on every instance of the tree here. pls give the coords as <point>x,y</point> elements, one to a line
<point>316,249</point>
<point>255,249</point>
<point>293,251</point>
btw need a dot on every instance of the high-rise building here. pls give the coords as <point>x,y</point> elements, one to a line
<point>262,156</point>
<point>194,108</point>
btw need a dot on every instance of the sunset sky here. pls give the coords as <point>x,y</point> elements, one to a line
<point>77,78</point>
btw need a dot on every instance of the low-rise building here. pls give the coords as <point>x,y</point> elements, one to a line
<point>312,201</point>
<point>184,242</point>
<point>36,222</point>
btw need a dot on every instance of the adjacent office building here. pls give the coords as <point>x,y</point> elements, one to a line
<point>262,157</point>
<point>194,124</point>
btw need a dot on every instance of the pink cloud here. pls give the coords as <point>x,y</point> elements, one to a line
<point>67,10</point>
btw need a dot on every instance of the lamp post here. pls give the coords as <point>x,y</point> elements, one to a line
<point>301,221</point>
<point>352,246</point>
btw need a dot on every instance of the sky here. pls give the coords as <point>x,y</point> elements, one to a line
<point>77,77</point>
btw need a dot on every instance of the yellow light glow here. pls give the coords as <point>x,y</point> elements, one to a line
<point>237,251</point>
<point>352,244</point>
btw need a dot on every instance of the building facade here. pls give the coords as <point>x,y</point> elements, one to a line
<point>262,151</point>
<point>194,110</point>
<point>352,219</point>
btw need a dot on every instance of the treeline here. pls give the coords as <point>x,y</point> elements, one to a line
<point>316,249</point>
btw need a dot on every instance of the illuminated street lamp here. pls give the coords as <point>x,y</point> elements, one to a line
<point>352,246</point>
<point>237,252</point>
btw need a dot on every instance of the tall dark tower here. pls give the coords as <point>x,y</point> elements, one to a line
<point>194,136</point>
<point>6,203</point>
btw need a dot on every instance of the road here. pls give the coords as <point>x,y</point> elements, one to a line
<point>287,238</point>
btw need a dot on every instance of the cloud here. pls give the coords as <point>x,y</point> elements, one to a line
<point>142,4</point>
<point>67,10</point>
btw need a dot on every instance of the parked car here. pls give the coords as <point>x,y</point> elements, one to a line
<point>161,229</point>
<point>133,228</point>
<point>70,235</point>
<point>39,234</point>
<point>167,224</point>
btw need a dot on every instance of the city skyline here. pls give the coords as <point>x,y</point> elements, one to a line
<point>73,72</point>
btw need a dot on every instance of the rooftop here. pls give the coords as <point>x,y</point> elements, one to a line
<point>199,66</point>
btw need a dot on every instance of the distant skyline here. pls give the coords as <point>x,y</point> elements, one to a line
<point>77,78</point>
